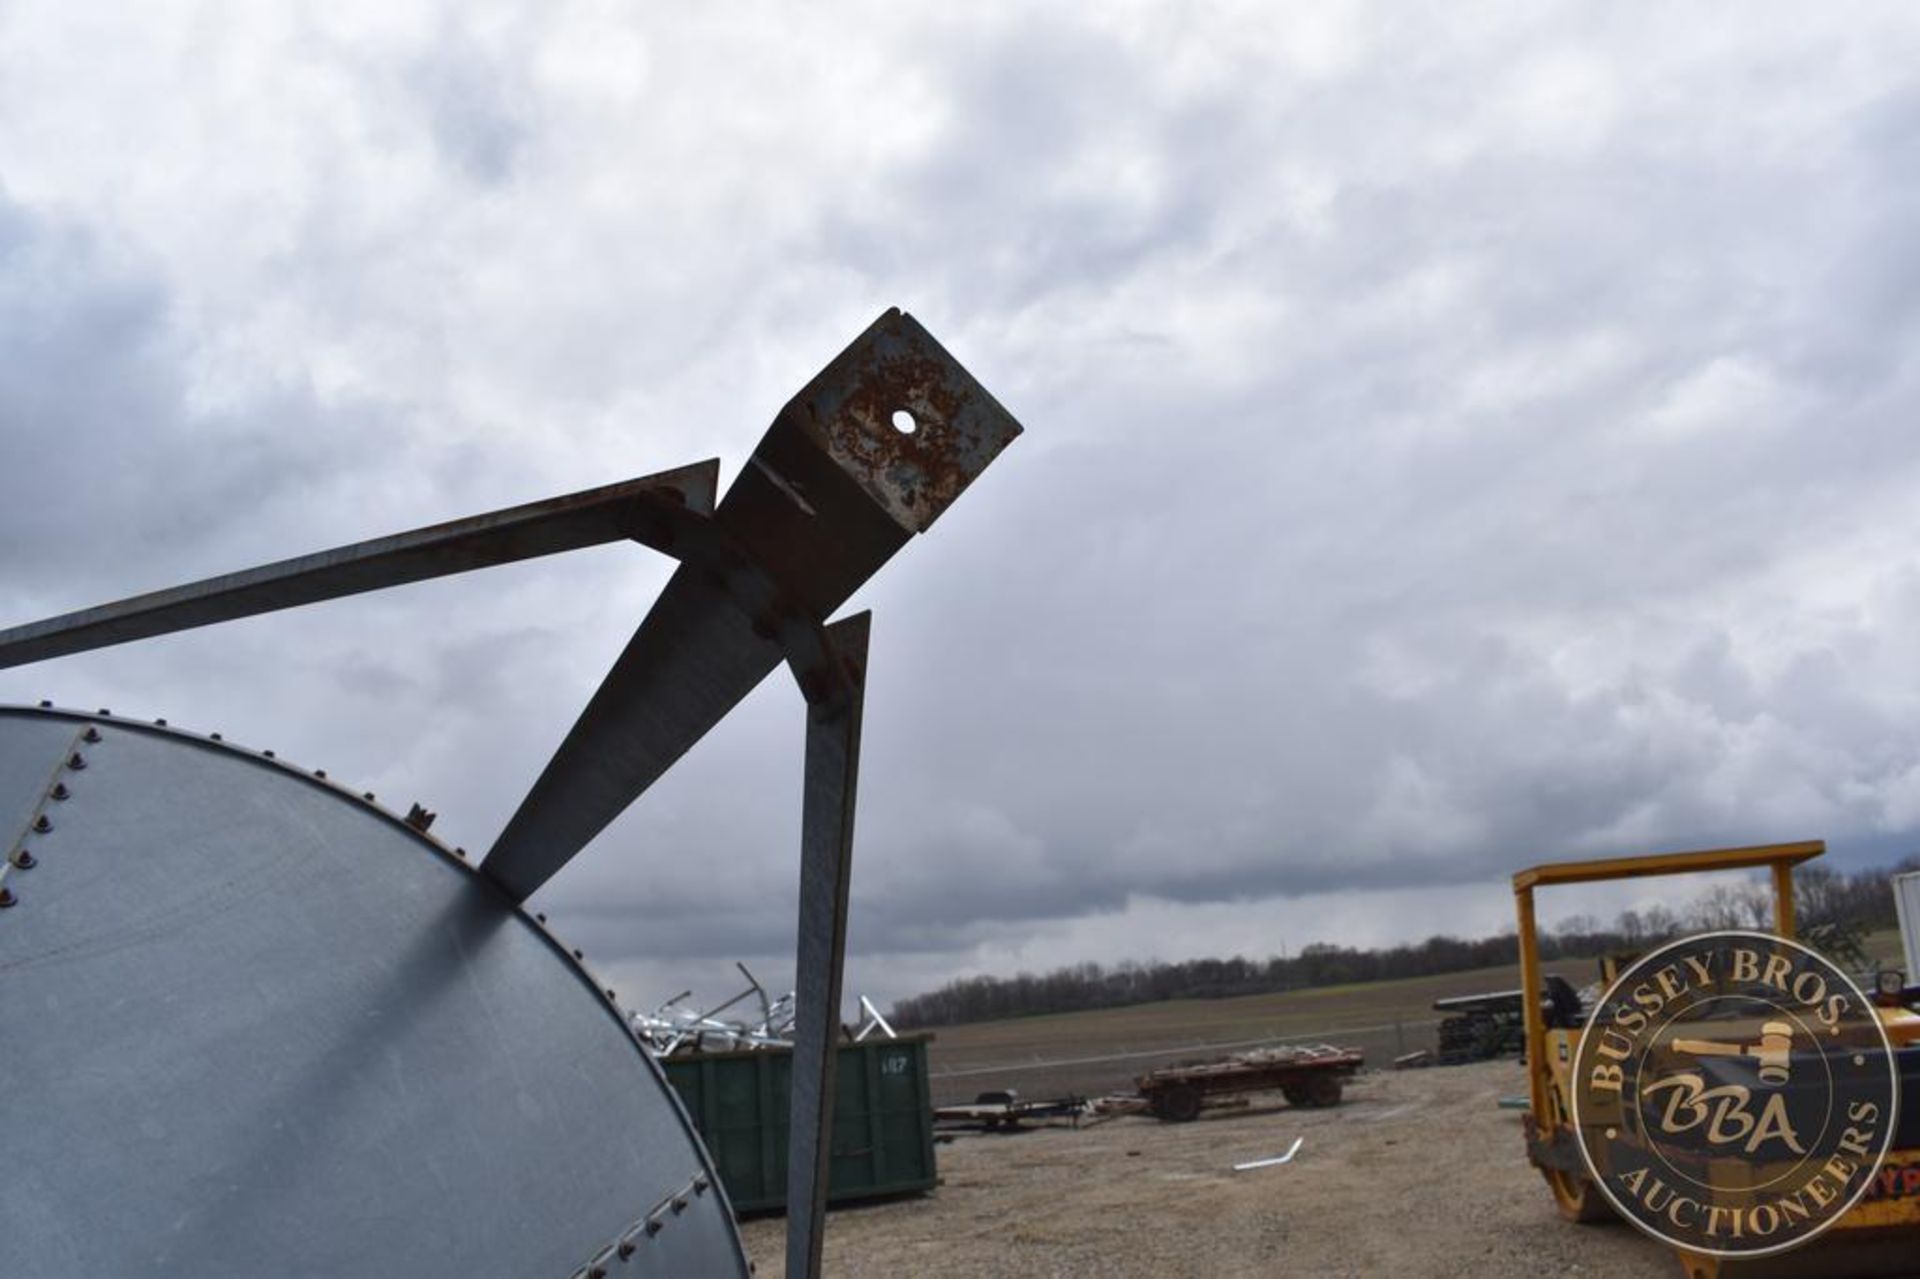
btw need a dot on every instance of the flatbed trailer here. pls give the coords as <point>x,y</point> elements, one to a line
<point>1003,1111</point>
<point>1312,1076</point>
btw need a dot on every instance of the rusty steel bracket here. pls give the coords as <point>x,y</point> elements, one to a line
<point>869,453</point>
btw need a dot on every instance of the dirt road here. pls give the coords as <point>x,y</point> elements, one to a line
<point>1418,1174</point>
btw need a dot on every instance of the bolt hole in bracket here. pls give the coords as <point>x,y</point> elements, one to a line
<point>865,456</point>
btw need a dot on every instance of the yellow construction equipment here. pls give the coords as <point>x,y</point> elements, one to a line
<point>1879,1235</point>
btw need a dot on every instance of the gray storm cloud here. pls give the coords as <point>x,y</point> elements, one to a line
<point>1454,440</point>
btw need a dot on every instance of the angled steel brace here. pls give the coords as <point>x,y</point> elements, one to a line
<point>870,452</point>
<point>649,509</point>
<point>834,712</point>
<point>867,454</point>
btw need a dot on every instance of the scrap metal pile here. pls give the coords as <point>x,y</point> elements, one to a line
<point>1482,1027</point>
<point>674,1027</point>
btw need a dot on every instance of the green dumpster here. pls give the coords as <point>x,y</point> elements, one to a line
<point>882,1120</point>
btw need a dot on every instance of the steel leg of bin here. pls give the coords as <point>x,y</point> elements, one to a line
<point>826,862</point>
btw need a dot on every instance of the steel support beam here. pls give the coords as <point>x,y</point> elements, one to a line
<point>834,708</point>
<point>870,452</point>
<point>647,509</point>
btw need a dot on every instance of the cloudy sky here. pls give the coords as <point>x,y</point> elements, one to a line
<point>1457,435</point>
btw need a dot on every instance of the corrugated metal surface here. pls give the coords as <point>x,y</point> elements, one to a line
<point>882,1120</point>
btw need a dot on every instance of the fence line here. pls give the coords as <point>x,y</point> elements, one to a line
<point>1317,1037</point>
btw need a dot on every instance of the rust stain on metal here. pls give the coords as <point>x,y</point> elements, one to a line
<point>916,469</point>
<point>925,467</point>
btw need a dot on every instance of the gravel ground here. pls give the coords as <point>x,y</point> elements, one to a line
<point>1418,1173</point>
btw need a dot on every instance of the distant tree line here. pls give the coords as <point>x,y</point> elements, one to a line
<point>1822,896</point>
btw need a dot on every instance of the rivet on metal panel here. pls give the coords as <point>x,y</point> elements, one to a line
<point>91,735</point>
<point>42,824</point>
<point>160,723</point>
<point>105,711</point>
<point>679,1203</point>
<point>367,795</point>
<point>626,1249</point>
<point>24,860</point>
<point>216,737</point>
<point>578,955</point>
<point>268,754</point>
<point>611,995</point>
<point>7,897</point>
<point>76,761</point>
<point>700,1184</point>
<point>541,918</point>
<point>321,773</point>
<point>461,853</point>
<point>654,1224</point>
<point>45,705</point>
<point>59,791</point>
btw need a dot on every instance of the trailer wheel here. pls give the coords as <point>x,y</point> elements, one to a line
<point>1319,1091</point>
<point>1178,1104</point>
<point>1578,1198</point>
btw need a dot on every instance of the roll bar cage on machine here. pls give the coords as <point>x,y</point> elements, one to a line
<point>868,454</point>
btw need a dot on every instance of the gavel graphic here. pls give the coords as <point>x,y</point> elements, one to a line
<point>1774,1052</point>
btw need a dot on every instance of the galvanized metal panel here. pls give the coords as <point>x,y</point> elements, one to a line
<point>253,1024</point>
<point>1906,901</point>
<point>29,765</point>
